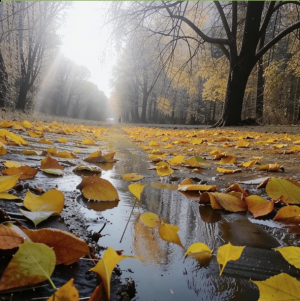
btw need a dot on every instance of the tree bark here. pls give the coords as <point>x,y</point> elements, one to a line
<point>3,81</point>
<point>260,90</point>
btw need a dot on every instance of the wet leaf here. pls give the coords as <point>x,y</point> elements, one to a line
<point>291,255</point>
<point>227,160</point>
<point>62,140</point>
<point>52,151</point>
<point>95,157</point>
<point>243,144</point>
<point>15,138</point>
<point>83,167</point>
<point>26,172</point>
<point>196,187</point>
<point>259,206</point>
<point>45,141</point>
<point>52,200</point>
<point>53,171</point>
<point>209,215</point>
<point>228,253</point>
<point>270,167</point>
<point>98,189</point>
<point>37,216</point>
<point>8,182</point>
<point>3,150</point>
<point>106,265</point>
<point>9,238</point>
<point>6,124</point>
<point>279,288</point>
<point>169,233</point>
<point>68,292</point>
<point>288,215</point>
<point>29,152</point>
<point>194,161</point>
<point>35,134</point>
<point>67,247</point>
<point>88,142</point>
<point>150,219</point>
<point>196,141</point>
<point>27,125</point>
<point>132,177</point>
<point>248,164</point>
<point>163,169</point>
<point>153,143</point>
<point>7,196</point>
<point>33,263</point>
<point>109,158</point>
<point>229,202</point>
<point>237,188</point>
<point>208,198</point>
<point>200,251</point>
<point>66,155</point>
<point>99,294</point>
<point>176,161</point>
<point>228,171</point>
<point>51,163</point>
<point>137,189</point>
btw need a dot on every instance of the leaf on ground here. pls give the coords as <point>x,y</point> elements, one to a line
<point>227,160</point>
<point>52,151</point>
<point>53,171</point>
<point>208,198</point>
<point>6,124</point>
<point>288,215</point>
<point>196,141</point>
<point>29,152</point>
<point>62,140</point>
<point>229,202</point>
<point>291,255</point>
<point>196,187</point>
<point>217,154</point>
<point>228,171</point>
<point>26,172</point>
<point>270,167</point>
<point>9,238</point>
<point>248,164</point>
<point>50,163</point>
<point>68,292</point>
<point>169,233</point>
<point>52,200</point>
<point>7,196</point>
<point>228,253</point>
<point>280,189</point>
<point>163,169</point>
<point>45,141</point>
<point>200,251</point>
<point>33,263</point>
<point>95,157</point>
<point>194,161</point>
<point>132,177</point>
<point>106,265</point>
<point>176,161</point>
<point>279,288</point>
<point>88,142</point>
<point>66,155</point>
<point>137,189</point>
<point>27,125</point>
<point>153,143</point>
<point>37,216</point>
<point>83,167</point>
<point>35,134</point>
<point>259,206</point>
<point>8,182</point>
<point>15,138</point>
<point>99,294</point>
<point>109,158</point>
<point>67,247</point>
<point>242,144</point>
<point>236,187</point>
<point>150,219</point>
<point>3,150</point>
<point>98,189</point>
<point>9,164</point>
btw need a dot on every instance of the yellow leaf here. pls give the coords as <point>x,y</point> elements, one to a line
<point>45,141</point>
<point>228,171</point>
<point>94,157</point>
<point>196,187</point>
<point>65,154</point>
<point>236,187</point>
<point>163,169</point>
<point>150,219</point>
<point>200,251</point>
<point>291,255</point>
<point>278,288</point>
<point>3,150</point>
<point>33,263</point>
<point>136,189</point>
<point>8,182</point>
<point>270,167</point>
<point>106,265</point>
<point>52,151</point>
<point>26,172</point>
<point>169,233</point>
<point>259,206</point>
<point>194,161</point>
<point>229,202</point>
<point>6,124</point>
<point>279,145</point>
<point>133,177</point>
<point>227,160</point>
<point>27,124</point>
<point>243,144</point>
<point>109,158</point>
<point>196,141</point>
<point>157,152</point>
<point>52,200</point>
<point>176,161</point>
<point>50,163</point>
<point>88,142</point>
<point>62,140</point>
<point>228,253</point>
<point>35,134</point>
<point>9,164</point>
<point>53,171</point>
<point>15,138</point>
<point>30,152</point>
<point>280,189</point>
<point>7,196</point>
<point>248,164</point>
<point>153,143</point>
<point>37,216</point>
<point>288,215</point>
<point>68,292</point>
<point>82,167</point>
<point>98,189</point>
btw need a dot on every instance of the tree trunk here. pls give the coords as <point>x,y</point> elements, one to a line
<point>260,91</point>
<point>24,88</point>
<point>3,81</point>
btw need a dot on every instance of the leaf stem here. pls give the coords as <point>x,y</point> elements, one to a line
<point>52,284</point>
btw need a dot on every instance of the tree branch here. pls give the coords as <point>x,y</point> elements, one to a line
<point>267,18</point>
<point>224,20</point>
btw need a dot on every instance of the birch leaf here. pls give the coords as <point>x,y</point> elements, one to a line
<point>136,189</point>
<point>68,292</point>
<point>291,255</point>
<point>169,233</point>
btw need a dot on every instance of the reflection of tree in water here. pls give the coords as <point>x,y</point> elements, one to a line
<point>207,285</point>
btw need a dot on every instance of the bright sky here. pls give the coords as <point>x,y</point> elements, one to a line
<point>83,40</point>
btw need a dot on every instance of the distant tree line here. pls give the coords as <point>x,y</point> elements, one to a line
<point>33,74</point>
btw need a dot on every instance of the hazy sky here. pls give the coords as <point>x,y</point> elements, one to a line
<point>84,40</point>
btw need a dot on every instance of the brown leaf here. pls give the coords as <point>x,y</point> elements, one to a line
<point>51,163</point>
<point>26,172</point>
<point>9,238</point>
<point>259,206</point>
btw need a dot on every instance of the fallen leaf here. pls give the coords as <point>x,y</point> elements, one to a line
<point>169,233</point>
<point>8,182</point>
<point>29,152</point>
<point>288,215</point>
<point>45,141</point>
<point>83,167</point>
<point>26,172</point>
<point>200,251</point>
<point>176,161</point>
<point>52,200</point>
<point>236,187</point>
<point>228,171</point>
<point>50,163</point>
<point>248,164</point>
<point>227,160</point>
<point>33,263</point>
<point>68,248</point>
<point>280,189</point>
<point>196,187</point>
<point>150,219</point>
<point>153,143</point>
<point>243,144</point>
<point>15,138</point>
<point>270,167</point>
<point>95,157</point>
<point>163,169</point>
<point>37,216</point>
<point>229,202</point>
<point>98,189</point>
<point>291,254</point>
<point>228,253</point>
<point>62,140</point>
<point>88,142</point>
<point>136,189</point>
<point>194,161</point>
<point>3,150</point>
<point>53,171</point>
<point>109,158</point>
<point>52,151</point>
<point>27,124</point>
<point>208,198</point>
<point>6,124</point>
<point>9,238</point>
<point>132,177</point>
<point>106,265</point>
<point>196,141</point>
<point>35,134</point>
<point>259,206</point>
<point>278,288</point>
<point>68,292</point>
<point>9,164</point>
